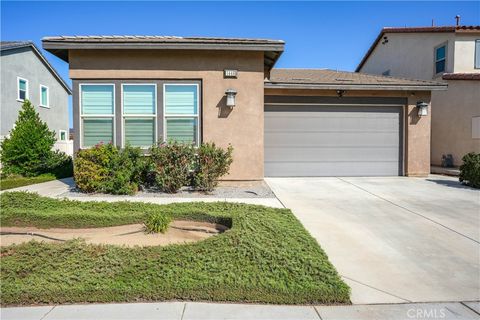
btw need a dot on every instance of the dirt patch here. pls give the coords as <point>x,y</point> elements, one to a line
<point>128,235</point>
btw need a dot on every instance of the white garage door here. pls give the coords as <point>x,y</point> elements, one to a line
<point>303,140</point>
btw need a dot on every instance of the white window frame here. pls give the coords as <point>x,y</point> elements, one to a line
<point>445,44</point>
<point>94,116</point>
<point>26,89</point>
<point>139,116</point>
<point>48,97</point>
<point>60,135</point>
<point>180,116</point>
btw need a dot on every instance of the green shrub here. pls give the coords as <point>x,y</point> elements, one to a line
<point>211,163</point>
<point>172,164</point>
<point>60,165</point>
<point>157,222</point>
<point>28,149</point>
<point>107,168</point>
<point>470,170</point>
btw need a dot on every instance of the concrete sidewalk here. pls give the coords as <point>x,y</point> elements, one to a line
<point>214,311</point>
<point>58,189</point>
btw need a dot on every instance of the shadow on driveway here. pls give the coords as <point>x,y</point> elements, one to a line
<point>450,183</point>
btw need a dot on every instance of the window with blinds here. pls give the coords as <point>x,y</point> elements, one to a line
<point>181,113</point>
<point>97,114</point>
<point>139,104</point>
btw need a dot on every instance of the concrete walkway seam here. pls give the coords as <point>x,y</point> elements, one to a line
<point>386,292</point>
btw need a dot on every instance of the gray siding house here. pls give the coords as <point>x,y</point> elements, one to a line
<point>26,74</point>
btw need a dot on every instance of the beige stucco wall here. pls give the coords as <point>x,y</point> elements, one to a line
<point>452,114</point>
<point>409,55</point>
<point>242,126</point>
<point>465,54</point>
<point>416,129</point>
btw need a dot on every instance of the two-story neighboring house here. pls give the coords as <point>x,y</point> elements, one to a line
<point>26,74</point>
<point>450,54</point>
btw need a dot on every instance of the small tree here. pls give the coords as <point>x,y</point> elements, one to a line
<point>28,150</point>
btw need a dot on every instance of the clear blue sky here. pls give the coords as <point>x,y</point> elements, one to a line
<point>318,34</point>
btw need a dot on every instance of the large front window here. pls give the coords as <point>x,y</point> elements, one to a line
<point>97,114</point>
<point>139,102</point>
<point>181,109</point>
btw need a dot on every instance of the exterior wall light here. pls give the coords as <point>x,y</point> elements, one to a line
<point>231,93</point>
<point>422,108</point>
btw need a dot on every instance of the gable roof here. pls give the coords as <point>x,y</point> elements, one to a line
<point>60,45</point>
<point>10,45</point>
<point>456,29</point>
<point>343,80</point>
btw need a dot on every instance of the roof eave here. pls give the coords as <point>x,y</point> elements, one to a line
<point>278,85</point>
<point>60,48</point>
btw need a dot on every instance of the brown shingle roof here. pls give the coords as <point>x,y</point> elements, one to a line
<point>331,79</point>
<point>461,76</point>
<point>459,29</point>
<point>159,39</point>
<point>60,45</point>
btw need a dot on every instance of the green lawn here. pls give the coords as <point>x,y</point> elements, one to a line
<point>267,256</point>
<point>19,181</point>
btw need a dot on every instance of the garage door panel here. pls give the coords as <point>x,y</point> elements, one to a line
<point>308,122</point>
<point>320,154</point>
<point>332,140</point>
<point>325,169</point>
<point>321,138</point>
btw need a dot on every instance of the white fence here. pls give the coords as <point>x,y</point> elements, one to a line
<point>64,146</point>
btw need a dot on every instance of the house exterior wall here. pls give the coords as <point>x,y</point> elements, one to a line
<point>24,63</point>
<point>242,127</point>
<point>416,131</point>
<point>464,56</point>
<point>453,110</point>
<point>410,55</point>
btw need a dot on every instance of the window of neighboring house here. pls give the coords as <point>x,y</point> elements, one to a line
<point>44,97</point>
<point>477,54</point>
<point>97,114</point>
<point>62,135</point>
<point>181,110</point>
<point>440,58</point>
<point>139,105</point>
<point>22,92</point>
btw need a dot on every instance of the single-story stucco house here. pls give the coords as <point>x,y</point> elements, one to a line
<point>281,122</point>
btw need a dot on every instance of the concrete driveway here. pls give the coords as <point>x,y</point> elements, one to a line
<point>393,239</point>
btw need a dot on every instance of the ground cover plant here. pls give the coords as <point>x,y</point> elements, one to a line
<point>267,256</point>
<point>15,181</point>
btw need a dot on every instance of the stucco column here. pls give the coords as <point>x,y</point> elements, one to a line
<point>417,137</point>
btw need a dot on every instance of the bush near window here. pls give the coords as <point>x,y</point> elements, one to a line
<point>109,169</point>
<point>172,165</point>
<point>470,170</point>
<point>28,149</point>
<point>210,164</point>
<point>168,167</point>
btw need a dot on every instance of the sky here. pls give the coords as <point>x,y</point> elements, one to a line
<point>318,34</point>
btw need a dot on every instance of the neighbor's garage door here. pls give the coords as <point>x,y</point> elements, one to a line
<point>303,140</point>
